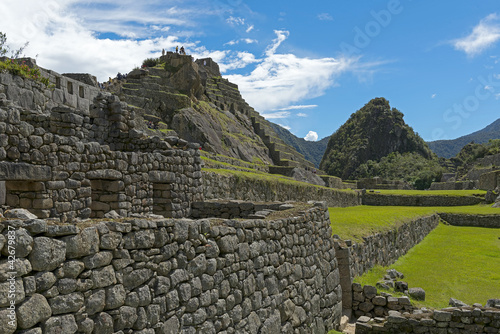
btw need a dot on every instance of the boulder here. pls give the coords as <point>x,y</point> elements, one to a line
<point>493,303</point>
<point>401,286</point>
<point>456,303</point>
<point>417,293</point>
<point>19,214</point>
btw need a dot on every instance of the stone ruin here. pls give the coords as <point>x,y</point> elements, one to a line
<point>72,151</point>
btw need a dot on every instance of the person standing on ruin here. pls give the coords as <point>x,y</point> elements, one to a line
<point>177,49</point>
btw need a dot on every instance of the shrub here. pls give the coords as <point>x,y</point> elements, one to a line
<point>21,69</point>
<point>150,62</point>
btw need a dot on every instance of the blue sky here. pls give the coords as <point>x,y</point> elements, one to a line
<point>304,65</point>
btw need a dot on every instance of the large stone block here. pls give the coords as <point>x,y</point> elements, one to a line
<point>24,172</point>
<point>47,254</point>
<point>34,310</point>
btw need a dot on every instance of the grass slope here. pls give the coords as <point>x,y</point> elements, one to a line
<point>466,260</point>
<point>356,222</point>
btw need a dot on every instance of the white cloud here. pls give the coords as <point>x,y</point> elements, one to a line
<point>311,136</point>
<point>280,80</point>
<point>300,114</point>
<point>249,40</point>
<point>309,106</point>
<point>250,28</point>
<point>325,17</point>
<point>483,36</point>
<point>235,21</point>
<point>433,96</point>
<point>275,115</point>
<point>285,127</point>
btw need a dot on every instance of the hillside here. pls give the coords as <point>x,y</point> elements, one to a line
<point>450,148</point>
<point>371,133</point>
<point>312,150</point>
<point>175,94</point>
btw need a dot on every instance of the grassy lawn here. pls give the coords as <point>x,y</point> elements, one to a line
<point>458,262</point>
<point>353,223</point>
<point>432,192</point>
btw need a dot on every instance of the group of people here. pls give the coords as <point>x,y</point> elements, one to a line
<point>181,51</point>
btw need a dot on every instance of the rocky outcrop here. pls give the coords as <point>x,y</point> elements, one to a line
<point>192,99</point>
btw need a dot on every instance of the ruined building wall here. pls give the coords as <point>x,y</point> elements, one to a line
<point>73,152</point>
<point>171,276</point>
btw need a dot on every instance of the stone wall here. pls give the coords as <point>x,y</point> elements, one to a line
<point>73,152</point>
<point>227,186</point>
<point>489,181</point>
<point>448,320</point>
<point>491,221</point>
<point>380,249</point>
<point>452,185</point>
<point>367,302</point>
<point>427,200</point>
<point>170,276</point>
<point>236,209</point>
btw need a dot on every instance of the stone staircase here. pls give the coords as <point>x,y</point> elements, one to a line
<point>226,96</point>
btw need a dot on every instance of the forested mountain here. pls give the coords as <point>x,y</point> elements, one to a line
<point>450,148</point>
<point>371,133</point>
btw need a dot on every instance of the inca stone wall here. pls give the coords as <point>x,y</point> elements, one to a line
<point>449,320</point>
<point>222,186</point>
<point>491,221</point>
<point>428,200</point>
<point>171,276</point>
<point>380,249</point>
<point>73,152</point>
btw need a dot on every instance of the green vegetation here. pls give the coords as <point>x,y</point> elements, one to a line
<point>472,152</point>
<point>19,67</point>
<point>466,260</point>
<point>411,167</point>
<point>459,193</point>
<point>354,223</point>
<point>274,178</point>
<point>450,148</point>
<point>371,133</point>
<point>150,62</point>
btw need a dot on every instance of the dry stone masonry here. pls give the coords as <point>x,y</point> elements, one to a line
<point>171,276</point>
<point>74,152</point>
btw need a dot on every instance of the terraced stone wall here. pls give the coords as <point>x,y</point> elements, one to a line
<point>70,151</point>
<point>170,276</point>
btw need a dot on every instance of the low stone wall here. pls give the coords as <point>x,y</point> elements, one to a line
<point>383,249</point>
<point>492,221</point>
<point>170,276</point>
<point>428,200</point>
<point>367,302</point>
<point>458,185</point>
<point>226,186</point>
<point>235,209</point>
<point>449,320</point>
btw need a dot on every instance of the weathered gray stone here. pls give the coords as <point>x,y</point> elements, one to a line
<point>103,324</point>
<point>47,254</point>
<point>103,277</point>
<point>83,244</point>
<point>95,302</point>
<point>23,243</point>
<point>115,296</point>
<point>126,318</point>
<point>228,243</point>
<point>45,281</point>
<point>136,278</point>
<point>8,321</point>
<point>98,260</point>
<point>73,268</point>
<point>32,311</point>
<point>62,324</point>
<point>66,303</point>
<point>417,293</point>
<point>171,326</point>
